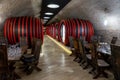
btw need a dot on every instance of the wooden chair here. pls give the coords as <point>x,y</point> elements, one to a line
<point>31,60</point>
<point>76,50</point>
<point>115,50</point>
<point>71,44</point>
<point>6,72</point>
<point>99,64</point>
<point>3,41</point>
<point>114,40</point>
<point>94,38</point>
<point>82,52</point>
<point>23,41</point>
<point>86,56</point>
<point>23,44</point>
<point>108,58</point>
<point>33,44</point>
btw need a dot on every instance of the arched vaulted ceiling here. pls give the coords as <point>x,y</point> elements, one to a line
<point>97,11</point>
<point>15,8</point>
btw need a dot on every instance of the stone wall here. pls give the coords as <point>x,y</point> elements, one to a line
<point>107,35</point>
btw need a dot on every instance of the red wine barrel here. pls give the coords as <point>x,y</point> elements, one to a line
<point>56,26</point>
<point>75,28</point>
<point>28,27</point>
<point>82,28</point>
<point>49,30</point>
<point>67,26</point>
<point>52,30</point>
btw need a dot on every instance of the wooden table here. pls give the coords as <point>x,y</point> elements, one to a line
<point>104,51</point>
<point>103,48</point>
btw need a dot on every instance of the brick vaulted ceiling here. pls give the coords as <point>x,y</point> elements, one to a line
<point>94,10</point>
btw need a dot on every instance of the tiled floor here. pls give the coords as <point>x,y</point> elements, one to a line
<point>57,65</point>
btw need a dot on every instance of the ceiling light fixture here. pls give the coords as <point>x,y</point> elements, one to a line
<point>53,6</point>
<point>49,13</point>
<point>45,20</point>
<point>105,22</point>
<point>46,17</point>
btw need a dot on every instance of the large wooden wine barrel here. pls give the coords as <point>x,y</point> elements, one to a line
<point>27,27</point>
<point>64,31</point>
<point>51,30</point>
<point>54,32</point>
<point>82,28</point>
<point>75,28</point>
<point>57,26</point>
<point>47,31</point>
